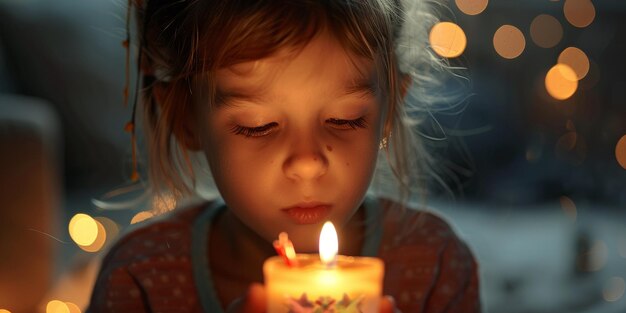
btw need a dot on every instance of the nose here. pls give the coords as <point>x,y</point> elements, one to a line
<point>306,161</point>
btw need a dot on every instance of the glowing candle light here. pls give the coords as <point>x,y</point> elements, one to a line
<point>326,282</point>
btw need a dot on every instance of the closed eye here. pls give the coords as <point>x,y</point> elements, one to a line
<point>348,124</point>
<point>258,131</point>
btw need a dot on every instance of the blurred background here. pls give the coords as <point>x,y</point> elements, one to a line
<point>538,154</point>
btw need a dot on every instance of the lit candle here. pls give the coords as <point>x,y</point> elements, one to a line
<point>324,283</point>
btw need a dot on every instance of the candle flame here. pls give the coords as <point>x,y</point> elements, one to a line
<point>329,245</point>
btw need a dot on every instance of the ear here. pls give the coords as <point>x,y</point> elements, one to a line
<point>184,123</point>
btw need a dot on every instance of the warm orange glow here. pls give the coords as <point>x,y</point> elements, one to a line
<point>73,307</point>
<point>577,60</point>
<point>447,39</point>
<point>509,41</point>
<point>620,152</point>
<point>471,7</point>
<point>579,13</point>
<point>613,289</point>
<point>56,306</point>
<point>83,229</point>
<point>141,216</point>
<point>561,82</point>
<point>569,207</point>
<point>329,245</point>
<point>100,240</point>
<point>598,255</point>
<point>111,227</point>
<point>4,311</point>
<point>546,31</point>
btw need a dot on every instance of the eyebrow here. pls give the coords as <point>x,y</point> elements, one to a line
<point>360,87</point>
<point>363,87</point>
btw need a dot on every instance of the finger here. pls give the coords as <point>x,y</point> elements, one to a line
<point>255,299</point>
<point>252,302</point>
<point>387,305</point>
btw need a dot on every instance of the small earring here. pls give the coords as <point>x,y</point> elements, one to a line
<point>382,144</point>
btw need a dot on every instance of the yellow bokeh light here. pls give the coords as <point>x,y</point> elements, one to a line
<point>620,152</point>
<point>447,39</point>
<point>509,41</point>
<point>561,82</point>
<point>471,7</point>
<point>577,60</point>
<point>569,207</point>
<point>546,31</point>
<point>141,216</point>
<point>100,239</point>
<point>83,229</point>
<point>4,311</point>
<point>579,13</point>
<point>112,228</point>
<point>613,289</point>
<point>56,306</point>
<point>73,308</point>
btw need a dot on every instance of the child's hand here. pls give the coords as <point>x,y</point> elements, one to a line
<point>388,305</point>
<point>254,302</point>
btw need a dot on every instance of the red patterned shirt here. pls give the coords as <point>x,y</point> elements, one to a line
<point>162,266</point>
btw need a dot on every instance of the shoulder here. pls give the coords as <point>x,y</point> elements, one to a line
<point>152,257</point>
<point>429,267</point>
<point>154,236</point>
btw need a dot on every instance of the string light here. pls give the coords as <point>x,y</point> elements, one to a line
<point>561,82</point>
<point>576,59</point>
<point>83,229</point>
<point>509,41</point>
<point>471,7</point>
<point>579,13</point>
<point>447,39</point>
<point>141,216</point>
<point>546,31</point>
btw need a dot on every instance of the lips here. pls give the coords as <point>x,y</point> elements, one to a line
<point>308,213</point>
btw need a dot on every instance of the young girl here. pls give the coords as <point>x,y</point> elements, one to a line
<point>291,103</point>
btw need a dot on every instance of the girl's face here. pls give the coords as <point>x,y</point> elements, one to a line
<point>294,139</point>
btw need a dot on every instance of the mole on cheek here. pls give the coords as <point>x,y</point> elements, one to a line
<point>329,148</point>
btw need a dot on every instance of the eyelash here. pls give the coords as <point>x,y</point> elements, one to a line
<point>265,129</point>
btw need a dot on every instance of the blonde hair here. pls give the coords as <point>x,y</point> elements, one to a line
<point>183,43</point>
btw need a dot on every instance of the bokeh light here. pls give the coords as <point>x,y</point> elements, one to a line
<point>112,228</point>
<point>598,255</point>
<point>100,239</point>
<point>447,39</point>
<point>471,7</point>
<point>620,152</point>
<point>73,308</point>
<point>141,216</point>
<point>579,13</point>
<point>569,208</point>
<point>56,306</point>
<point>561,82</point>
<point>576,59</point>
<point>83,229</point>
<point>546,31</point>
<point>613,289</point>
<point>4,311</point>
<point>509,41</point>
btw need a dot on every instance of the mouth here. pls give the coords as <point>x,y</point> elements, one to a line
<point>308,213</point>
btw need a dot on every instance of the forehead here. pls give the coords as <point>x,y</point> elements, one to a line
<point>322,64</point>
